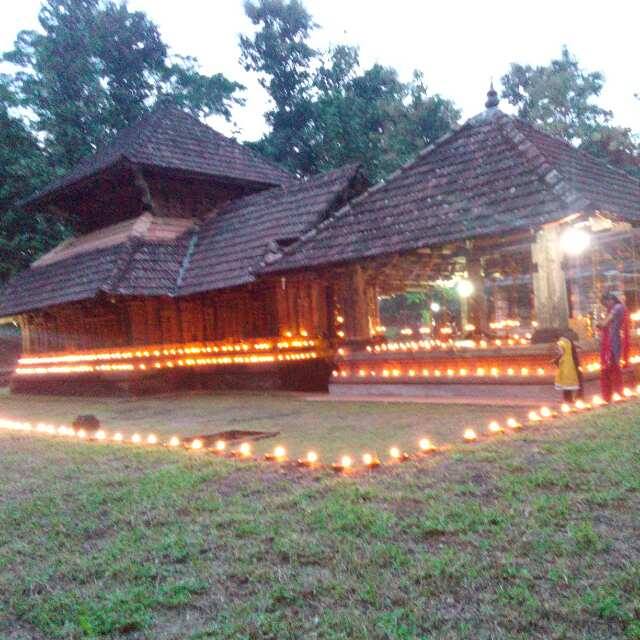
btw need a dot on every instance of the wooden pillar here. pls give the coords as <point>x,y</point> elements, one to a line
<point>549,284</point>
<point>356,310</point>
<point>477,303</point>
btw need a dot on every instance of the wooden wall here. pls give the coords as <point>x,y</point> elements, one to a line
<point>271,308</point>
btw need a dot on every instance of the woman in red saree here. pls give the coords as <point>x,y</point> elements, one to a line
<point>614,345</point>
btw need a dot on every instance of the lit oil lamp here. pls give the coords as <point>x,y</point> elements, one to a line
<point>546,413</point>
<point>220,446</point>
<point>494,427</point>
<point>565,408</point>
<point>343,465</point>
<point>309,460</point>
<point>534,416</point>
<point>598,401</point>
<point>627,393</point>
<point>196,444</point>
<point>118,437</point>
<point>616,397</point>
<point>397,455</point>
<point>469,435</point>
<point>152,439</point>
<point>136,438</point>
<point>100,435</point>
<point>81,433</point>
<point>426,446</point>
<point>370,461</point>
<point>244,450</point>
<point>512,423</point>
<point>279,454</point>
<point>174,441</point>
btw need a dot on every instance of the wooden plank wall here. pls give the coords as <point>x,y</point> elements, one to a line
<point>269,309</point>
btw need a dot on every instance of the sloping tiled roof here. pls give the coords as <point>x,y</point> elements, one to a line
<point>494,175</point>
<point>152,256</point>
<point>140,257</point>
<point>169,138</point>
<point>233,242</point>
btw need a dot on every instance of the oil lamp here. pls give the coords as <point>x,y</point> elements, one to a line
<point>469,435</point>
<point>426,445</point>
<point>152,439</point>
<point>512,423</point>
<point>370,461</point>
<point>309,460</point>
<point>196,444</point>
<point>494,427</point>
<point>344,464</point>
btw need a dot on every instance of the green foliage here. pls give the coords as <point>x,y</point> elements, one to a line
<point>327,111</point>
<point>561,99</point>
<point>92,69</point>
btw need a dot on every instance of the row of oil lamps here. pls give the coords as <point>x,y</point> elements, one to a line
<point>312,459</point>
<point>166,364</point>
<point>290,342</point>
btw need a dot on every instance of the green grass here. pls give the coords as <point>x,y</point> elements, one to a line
<point>332,428</point>
<point>527,536</point>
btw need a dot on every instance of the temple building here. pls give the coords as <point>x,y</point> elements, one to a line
<point>175,218</point>
<point>198,255</point>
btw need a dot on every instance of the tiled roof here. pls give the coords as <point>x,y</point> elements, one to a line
<point>494,175</point>
<point>169,138</point>
<point>153,256</point>
<point>140,257</point>
<point>233,242</point>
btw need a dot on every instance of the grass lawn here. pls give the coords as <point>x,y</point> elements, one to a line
<point>529,535</point>
<point>331,428</point>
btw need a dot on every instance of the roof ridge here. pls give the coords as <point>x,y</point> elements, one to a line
<point>544,169</point>
<point>577,150</point>
<point>121,265</point>
<point>186,260</point>
<point>313,231</point>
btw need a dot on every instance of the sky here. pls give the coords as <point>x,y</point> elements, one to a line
<point>459,46</point>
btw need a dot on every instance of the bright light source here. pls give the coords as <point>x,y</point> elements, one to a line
<point>469,435</point>
<point>425,444</point>
<point>245,449</point>
<point>279,453</point>
<point>312,457</point>
<point>152,439</point>
<point>196,443</point>
<point>221,445</point>
<point>494,427</point>
<point>435,307</point>
<point>465,288</point>
<point>394,452</point>
<point>575,241</point>
<point>174,442</point>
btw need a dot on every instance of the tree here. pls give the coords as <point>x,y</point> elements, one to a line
<point>23,169</point>
<point>561,99</point>
<point>558,97</point>
<point>92,69</point>
<point>95,68</point>
<point>327,112</point>
<point>281,56</point>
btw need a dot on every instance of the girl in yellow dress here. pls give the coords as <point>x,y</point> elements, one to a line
<point>568,377</point>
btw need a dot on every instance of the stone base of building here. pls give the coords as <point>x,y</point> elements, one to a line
<point>310,376</point>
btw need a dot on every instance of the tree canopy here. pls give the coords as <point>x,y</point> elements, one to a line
<point>93,68</point>
<point>327,111</point>
<point>561,99</point>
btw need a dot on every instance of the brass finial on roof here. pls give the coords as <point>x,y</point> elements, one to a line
<point>492,98</point>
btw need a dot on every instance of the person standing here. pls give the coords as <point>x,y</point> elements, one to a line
<point>614,345</point>
<point>569,376</point>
